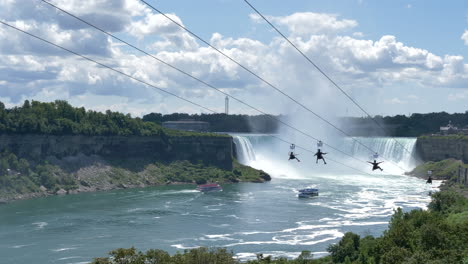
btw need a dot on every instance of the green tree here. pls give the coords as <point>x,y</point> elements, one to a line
<point>347,247</point>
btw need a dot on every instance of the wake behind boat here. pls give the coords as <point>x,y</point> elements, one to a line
<point>212,187</point>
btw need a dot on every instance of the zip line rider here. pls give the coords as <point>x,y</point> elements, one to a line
<point>375,165</point>
<point>291,153</point>
<point>319,155</point>
<point>293,156</point>
<point>429,180</point>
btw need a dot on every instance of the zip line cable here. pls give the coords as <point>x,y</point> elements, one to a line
<point>326,76</point>
<point>199,80</point>
<point>285,141</point>
<point>106,66</point>
<point>262,79</point>
<point>141,81</point>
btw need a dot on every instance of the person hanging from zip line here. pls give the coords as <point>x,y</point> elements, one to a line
<point>291,153</point>
<point>375,165</point>
<point>429,180</point>
<point>319,155</point>
<point>293,156</point>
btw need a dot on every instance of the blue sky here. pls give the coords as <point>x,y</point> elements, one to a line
<point>434,25</point>
<point>393,57</point>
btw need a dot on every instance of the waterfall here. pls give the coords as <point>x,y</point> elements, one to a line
<point>267,153</point>
<point>387,148</point>
<point>244,149</point>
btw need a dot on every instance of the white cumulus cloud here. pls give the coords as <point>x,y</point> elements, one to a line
<point>32,69</point>
<point>464,37</point>
<point>305,24</point>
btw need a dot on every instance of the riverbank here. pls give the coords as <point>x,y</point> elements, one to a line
<point>446,170</point>
<point>103,175</point>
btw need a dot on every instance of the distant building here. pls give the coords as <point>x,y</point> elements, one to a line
<point>188,125</point>
<point>451,129</point>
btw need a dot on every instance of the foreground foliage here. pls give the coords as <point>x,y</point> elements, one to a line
<point>436,235</point>
<point>200,255</point>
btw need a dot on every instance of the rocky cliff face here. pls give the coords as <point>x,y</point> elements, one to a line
<point>437,148</point>
<point>215,151</point>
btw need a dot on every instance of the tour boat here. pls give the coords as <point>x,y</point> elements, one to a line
<point>307,193</point>
<point>212,187</point>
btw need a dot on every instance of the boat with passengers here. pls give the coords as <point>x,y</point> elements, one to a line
<point>212,187</point>
<point>308,192</point>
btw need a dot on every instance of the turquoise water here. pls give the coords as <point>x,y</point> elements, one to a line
<point>247,218</point>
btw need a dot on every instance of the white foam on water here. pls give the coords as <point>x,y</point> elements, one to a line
<point>221,225</point>
<point>350,223</point>
<point>180,191</point>
<point>21,246</point>
<point>40,225</point>
<point>244,256</point>
<point>305,227</point>
<point>296,240</point>
<point>63,249</point>
<point>233,216</point>
<point>255,233</point>
<point>180,246</point>
<point>73,257</point>
<point>219,237</point>
<point>309,238</point>
<point>131,210</point>
<point>314,242</point>
<point>326,219</point>
<point>209,207</point>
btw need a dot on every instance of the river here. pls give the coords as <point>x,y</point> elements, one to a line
<point>247,218</point>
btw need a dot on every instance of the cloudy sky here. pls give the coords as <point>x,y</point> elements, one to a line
<point>393,57</point>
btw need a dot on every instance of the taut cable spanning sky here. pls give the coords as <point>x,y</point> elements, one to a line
<point>148,84</point>
<point>266,82</point>
<point>329,78</point>
<point>201,81</point>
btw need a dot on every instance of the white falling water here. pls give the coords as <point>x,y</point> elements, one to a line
<point>244,149</point>
<point>399,153</point>
<point>266,153</point>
